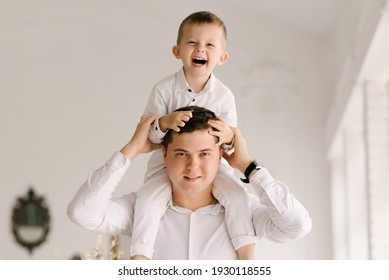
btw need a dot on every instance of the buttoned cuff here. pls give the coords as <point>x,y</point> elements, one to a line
<point>229,147</point>
<point>117,161</point>
<point>156,135</point>
<point>262,177</point>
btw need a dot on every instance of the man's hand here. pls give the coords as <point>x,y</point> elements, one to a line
<point>240,158</point>
<point>174,120</point>
<point>140,142</point>
<point>224,132</point>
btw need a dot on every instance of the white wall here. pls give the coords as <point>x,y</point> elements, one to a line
<point>74,79</point>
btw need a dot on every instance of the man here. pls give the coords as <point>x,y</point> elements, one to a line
<point>193,226</point>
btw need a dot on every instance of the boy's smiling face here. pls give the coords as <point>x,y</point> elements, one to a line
<point>202,47</point>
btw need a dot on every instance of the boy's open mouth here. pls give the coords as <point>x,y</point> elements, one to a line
<point>200,61</point>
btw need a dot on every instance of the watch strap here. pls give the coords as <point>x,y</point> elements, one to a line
<point>252,166</point>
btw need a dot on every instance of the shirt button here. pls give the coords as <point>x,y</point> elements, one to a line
<point>193,100</point>
<point>189,89</point>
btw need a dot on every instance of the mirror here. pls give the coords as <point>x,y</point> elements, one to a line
<point>30,220</point>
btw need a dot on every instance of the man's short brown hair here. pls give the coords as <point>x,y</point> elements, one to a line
<point>198,121</point>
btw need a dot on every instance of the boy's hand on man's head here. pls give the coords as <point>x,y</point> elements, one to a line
<point>223,131</point>
<point>174,120</point>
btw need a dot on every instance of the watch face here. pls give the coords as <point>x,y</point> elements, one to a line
<point>258,165</point>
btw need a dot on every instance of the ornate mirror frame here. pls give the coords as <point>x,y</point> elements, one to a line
<point>30,211</point>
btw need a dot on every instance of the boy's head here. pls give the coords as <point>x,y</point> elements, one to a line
<point>198,121</point>
<point>201,45</point>
<point>202,17</point>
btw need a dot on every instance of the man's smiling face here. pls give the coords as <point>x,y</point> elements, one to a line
<point>192,160</point>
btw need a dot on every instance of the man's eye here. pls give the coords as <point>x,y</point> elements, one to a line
<point>205,154</point>
<point>180,154</point>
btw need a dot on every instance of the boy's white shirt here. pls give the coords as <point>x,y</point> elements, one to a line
<point>174,92</point>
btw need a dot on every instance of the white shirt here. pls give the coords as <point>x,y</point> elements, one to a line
<point>183,234</point>
<point>174,92</point>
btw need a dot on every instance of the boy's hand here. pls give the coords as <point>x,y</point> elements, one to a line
<point>174,120</point>
<point>224,132</point>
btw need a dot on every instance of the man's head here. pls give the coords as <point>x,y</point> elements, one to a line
<point>191,156</point>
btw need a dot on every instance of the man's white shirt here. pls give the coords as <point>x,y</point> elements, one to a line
<point>185,234</point>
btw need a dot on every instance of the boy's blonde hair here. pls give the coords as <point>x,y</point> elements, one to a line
<point>200,18</point>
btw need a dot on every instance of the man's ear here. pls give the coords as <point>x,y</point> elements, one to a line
<point>223,58</point>
<point>176,51</point>
<point>221,152</point>
<point>163,150</point>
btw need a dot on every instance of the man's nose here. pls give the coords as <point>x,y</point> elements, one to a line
<point>193,163</point>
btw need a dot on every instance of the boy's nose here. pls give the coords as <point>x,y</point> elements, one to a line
<point>200,49</point>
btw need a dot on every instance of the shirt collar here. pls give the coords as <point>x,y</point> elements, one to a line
<point>182,85</point>
<point>213,209</point>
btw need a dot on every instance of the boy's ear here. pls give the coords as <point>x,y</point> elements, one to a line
<point>223,58</point>
<point>176,51</point>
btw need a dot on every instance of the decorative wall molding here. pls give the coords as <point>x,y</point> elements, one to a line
<point>266,88</point>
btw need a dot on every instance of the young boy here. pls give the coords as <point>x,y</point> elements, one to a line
<point>201,45</point>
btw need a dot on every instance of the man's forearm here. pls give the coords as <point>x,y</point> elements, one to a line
<point>139,142</point>
<point>88,207</point>
<point>286,218</point>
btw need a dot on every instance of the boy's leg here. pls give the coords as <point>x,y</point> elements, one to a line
<point>234,197</point>
<point>150,206</point>
<point>246,252</point>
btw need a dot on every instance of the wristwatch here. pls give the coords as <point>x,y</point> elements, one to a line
<point>252,166</point>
